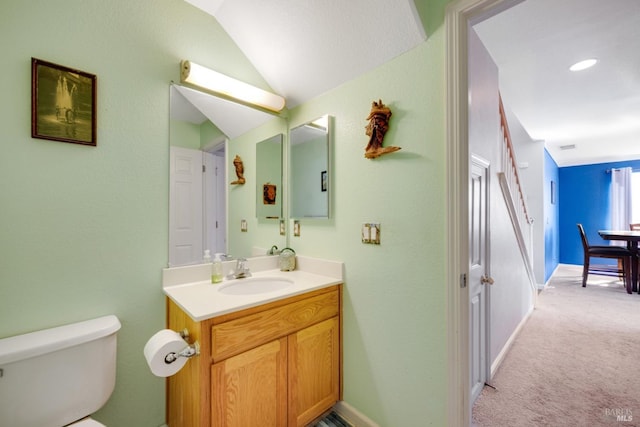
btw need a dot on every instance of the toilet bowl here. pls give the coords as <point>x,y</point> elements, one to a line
<point>58,376</point>
<point>86,422</point>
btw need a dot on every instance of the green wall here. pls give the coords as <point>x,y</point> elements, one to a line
<point>395,342</point>
<point>261,232</point>
<point>85,229</point>
<point>395,306</point>
<point>185,134</point>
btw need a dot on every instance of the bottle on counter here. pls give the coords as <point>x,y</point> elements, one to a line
<point>216,269</point>
<point>206,259</point>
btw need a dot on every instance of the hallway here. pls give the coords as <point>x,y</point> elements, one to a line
<point>574,362</point>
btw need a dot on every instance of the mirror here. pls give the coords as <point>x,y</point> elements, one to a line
<point>200,128</point>
<point>310,169</point>
<point>269,191</point>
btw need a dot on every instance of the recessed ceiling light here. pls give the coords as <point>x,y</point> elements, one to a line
<point>583,65</point>
<point>568,147</point>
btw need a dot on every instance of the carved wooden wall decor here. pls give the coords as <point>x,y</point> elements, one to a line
<point>376,129</point>
<point>237,163</point>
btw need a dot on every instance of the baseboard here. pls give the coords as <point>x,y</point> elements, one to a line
<point>503,353</point>
<point>352,415</point>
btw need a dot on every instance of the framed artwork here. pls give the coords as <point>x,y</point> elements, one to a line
<point>269,194</point>
<point>63,103</point>
<point>323,180</point>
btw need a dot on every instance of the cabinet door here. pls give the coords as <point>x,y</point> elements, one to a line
<point>250,389</point>
<point>314,371</point>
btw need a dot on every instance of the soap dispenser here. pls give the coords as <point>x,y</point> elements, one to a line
<point>216,269</point>
<point>287,260</point>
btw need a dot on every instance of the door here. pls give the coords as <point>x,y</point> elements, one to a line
<point>250,389</point>
<point>314,371</point>
<point>478,269</point>
<point>185,212</point>
<point>215,202</point>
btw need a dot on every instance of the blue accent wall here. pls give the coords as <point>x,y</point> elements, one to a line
<point>551,215</point>
<point>584,198</point>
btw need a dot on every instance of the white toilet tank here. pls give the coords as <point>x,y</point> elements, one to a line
<point>53,377</point>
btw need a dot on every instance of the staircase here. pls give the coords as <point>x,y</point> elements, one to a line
<point>514,196</point>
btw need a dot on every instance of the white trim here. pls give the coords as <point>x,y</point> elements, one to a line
<point>352,415</point>
<point>457,233</point>
<point>496,363</point>
<point>457,17</point>
<point>518,232</point>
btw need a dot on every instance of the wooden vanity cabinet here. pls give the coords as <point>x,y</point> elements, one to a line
<point>278,364</point>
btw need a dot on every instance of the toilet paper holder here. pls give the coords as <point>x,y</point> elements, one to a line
<point>189,351</point>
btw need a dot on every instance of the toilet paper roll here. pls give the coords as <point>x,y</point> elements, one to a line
<point>161,344</point>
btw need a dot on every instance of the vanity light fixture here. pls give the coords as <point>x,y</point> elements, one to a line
<point>228,87</point>
<point>583,65</point>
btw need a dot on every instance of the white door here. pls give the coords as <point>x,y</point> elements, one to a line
<point>478,269</point>
<point>185,212</point>
<point>214,202</point>
<point>221,203</point>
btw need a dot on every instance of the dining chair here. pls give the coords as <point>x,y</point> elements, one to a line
<point>615,252</point>
<point>635,226</point>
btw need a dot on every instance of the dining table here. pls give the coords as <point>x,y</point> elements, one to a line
<point>631,237</point>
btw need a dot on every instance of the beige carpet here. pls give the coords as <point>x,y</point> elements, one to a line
<point>576,361</point>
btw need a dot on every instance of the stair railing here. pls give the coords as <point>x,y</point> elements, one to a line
<point>514,194</point>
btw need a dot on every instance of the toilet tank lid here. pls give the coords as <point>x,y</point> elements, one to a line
<point>47,340</point>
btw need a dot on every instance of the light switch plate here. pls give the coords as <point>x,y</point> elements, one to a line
<point>375,233</point>
<point>243,225</point>
<point>366,233</point>
<point>296,228</point>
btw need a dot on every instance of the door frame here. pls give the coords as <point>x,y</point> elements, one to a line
<point>459,15</point>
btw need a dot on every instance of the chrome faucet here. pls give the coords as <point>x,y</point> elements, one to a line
<point>273,251</point>
<point>241,271</point>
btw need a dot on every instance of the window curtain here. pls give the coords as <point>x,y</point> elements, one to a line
<point>620,200</point>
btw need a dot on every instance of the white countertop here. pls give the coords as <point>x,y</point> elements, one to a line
<point>202,300</point>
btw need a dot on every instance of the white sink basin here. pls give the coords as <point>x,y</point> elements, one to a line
<point>254,285</point>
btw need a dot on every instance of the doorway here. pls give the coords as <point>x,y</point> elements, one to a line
<point>459,16</point>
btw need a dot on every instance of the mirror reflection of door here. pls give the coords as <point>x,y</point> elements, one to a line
<point>197,212</point>
<point>214,196</point>
<point>185,210</point>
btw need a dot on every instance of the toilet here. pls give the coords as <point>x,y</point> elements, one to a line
<point>60,376</point>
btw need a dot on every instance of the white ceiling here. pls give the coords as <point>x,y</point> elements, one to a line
<point>597,110</point>
<point>231,118</point>
<point>305,48</point>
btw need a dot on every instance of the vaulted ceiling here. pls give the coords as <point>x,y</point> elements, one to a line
<point>305,48</point>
